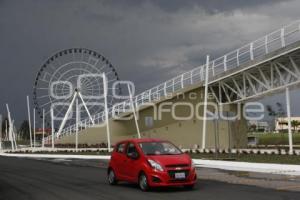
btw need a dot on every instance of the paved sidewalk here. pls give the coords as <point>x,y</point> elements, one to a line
<point>278,182</point>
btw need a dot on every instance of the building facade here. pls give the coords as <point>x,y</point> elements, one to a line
<point>177,118</point>
<point>281,124</point>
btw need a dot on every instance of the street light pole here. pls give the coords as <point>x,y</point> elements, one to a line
<point>10,131</point>
<point>77,120</point>
<point>205,104</point>
<point>29,120</point>
<point>288,109</point>
<point>43,140</point>
<point>216,132</point>
<point>134,112</point>
<point>52,127</point>
<point>106,112</point>
<point>34,144</point>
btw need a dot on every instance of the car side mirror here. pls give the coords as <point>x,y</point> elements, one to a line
<point>133,155</point>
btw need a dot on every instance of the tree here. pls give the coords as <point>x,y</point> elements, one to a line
<point>270,111</point>
<point>280,110</point>
<point>279,113</point>
<point>252,127</point>
<point>272,114</point>
<point>4,125</point>
<point>24,130</point>
<point>295,124</point>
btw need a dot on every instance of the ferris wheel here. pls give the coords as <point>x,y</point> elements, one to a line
<point>70,71</point>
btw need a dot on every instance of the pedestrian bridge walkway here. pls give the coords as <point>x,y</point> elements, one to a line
<point>266,65</point>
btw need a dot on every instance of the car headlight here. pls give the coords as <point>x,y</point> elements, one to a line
<point>155,165</point>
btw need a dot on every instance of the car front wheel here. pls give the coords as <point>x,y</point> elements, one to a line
<point>143,182</point>
<point>111,177</point>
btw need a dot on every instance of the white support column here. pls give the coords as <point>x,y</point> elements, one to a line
<point>43,140</point>
<point>124,105</point>
<point>266,44</point>
<point>165,89</point>
<point>14,136</point>
<point>143,97</point>
<point>251,51</point>
<point>282,37</point>
<point>213,68</point>
<point>6,130</point>
<point>67,114</point>
<point>136,102</point>
<point>34,142</point>
<point>52,127</point>
<point>288,109</point>
<point>173,86</point>
<point>87,110</point>
<point>77,121</point>
<point>224,63</point>
<point>238,57</point>
<point>205,104</point>
<point>29,121</point>
<point>201,73</point>
<point>106,112</point>
<point>181,81</point>
<point>10,135</point>
<point>134,112</point>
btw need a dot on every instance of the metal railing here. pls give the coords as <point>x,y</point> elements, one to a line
<point>254,50</point>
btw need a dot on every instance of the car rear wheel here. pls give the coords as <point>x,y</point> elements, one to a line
<point>111,177</point>
<point>143,182</point>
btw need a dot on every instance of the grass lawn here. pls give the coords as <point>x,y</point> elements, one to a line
<point>23,142</point>
<point>276,138</point>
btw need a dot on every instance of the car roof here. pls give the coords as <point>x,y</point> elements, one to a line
<point>138,140</point>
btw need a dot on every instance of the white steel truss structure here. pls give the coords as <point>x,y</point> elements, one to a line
<point>219,67</point>
<point>76,95</point>
<point>265,65</point>
<point>258,80</point>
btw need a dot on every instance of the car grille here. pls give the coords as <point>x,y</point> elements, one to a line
<point>177,165</point>
<point>172,173</point>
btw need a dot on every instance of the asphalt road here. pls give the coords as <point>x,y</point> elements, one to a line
<point>22,179</point>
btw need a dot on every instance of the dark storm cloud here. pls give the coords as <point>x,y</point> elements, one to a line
<point>211,6</point>
<point>147,41</point>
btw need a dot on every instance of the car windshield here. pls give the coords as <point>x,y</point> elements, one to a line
<point>159,148</point>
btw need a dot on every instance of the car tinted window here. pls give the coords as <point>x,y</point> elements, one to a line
<point>120,148</point>
<point>159,148</point>
<point>131,148</point>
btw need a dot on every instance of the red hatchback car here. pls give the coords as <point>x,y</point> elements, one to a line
<point>151,163</point>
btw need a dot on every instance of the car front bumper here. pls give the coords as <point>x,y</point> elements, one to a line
<point>165,178</point>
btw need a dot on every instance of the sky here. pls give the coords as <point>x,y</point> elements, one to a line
<point>147,41</point>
